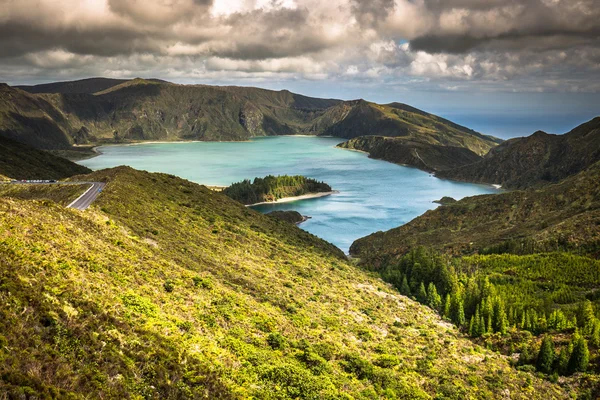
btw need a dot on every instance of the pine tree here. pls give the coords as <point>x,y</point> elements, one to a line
<point>563,359</point>
<point>580,356</point>
<point>595,335</point>
<point>404,288</point>
<point>447,304</point>
<point>433,298</point>
<point>586,317</point>
<point>457,310</point>
<point>422,294</point>
<point>500,322</point>
<point>524,357</point>
<point>473,326</point>
<point>546,356</point>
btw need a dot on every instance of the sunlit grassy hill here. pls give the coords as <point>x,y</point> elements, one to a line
<point>165,289</point>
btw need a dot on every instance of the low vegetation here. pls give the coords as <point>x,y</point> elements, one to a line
<point>61,194</point>
<point>165,289</point>
<point>272,188</point>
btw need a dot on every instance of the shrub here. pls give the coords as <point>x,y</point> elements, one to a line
<point>276,340</point>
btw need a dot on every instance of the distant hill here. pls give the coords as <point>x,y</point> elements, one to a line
<point>557,217</point>
<point>426,156</point>
<point>19,161</point>
<point>166,289</point>
<point>138,109</point>
<point>362,118</point>
<point>90,85</point>
<point>535,160</point>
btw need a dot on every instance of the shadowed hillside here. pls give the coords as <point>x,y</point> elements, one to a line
<point>535,160</point>
<point>425,156</point>
<point>560,216</point>
<point>19,161</point>
<point>139,109</point>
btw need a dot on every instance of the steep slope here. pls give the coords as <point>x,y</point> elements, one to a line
<point>165,289</point>
<point>560,216</point>
<point>362,118</point>
<point>141,109</point>
<point>535,160</point>
<point>425,156</point>
<point>89,85</point>
<point>19,161</point>
<point>33,119</point>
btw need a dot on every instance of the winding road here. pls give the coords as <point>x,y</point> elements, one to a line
<point>80,203</point>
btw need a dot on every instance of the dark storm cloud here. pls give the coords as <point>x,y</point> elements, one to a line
<point>548,43</point>
<point>370,13</point>
<point>464,25</point>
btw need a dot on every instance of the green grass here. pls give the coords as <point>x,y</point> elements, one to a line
<point>62,194</point>
<point>165,289</point>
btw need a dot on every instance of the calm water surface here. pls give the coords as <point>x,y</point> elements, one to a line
<point>374,195</point>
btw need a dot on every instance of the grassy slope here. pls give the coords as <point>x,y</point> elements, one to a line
<point>20,161</point>
<point>563,215</point>
<point>535,160</point>
<point>32,119</point>
<point>167,289</point>
<point>426,156</point>
<point>62,194</point>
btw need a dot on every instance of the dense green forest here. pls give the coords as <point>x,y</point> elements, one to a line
<point>541,306</point>
<point>272,188</point>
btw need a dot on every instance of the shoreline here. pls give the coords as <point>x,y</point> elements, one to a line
<point>94,147</point>
<point>296,198</point>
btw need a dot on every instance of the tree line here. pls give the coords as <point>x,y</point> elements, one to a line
<point>271,188</point>
<point>491,296</point>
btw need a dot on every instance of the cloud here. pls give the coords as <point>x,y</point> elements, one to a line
<point>452,44</point>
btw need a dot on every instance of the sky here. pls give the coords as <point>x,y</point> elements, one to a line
<point>503,67</point>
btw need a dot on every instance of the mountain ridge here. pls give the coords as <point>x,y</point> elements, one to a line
<point>140,109</point>
<point>535,160</point>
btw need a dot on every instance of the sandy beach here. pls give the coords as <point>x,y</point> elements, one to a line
<point>296,198</point>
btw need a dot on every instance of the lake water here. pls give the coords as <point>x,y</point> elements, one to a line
<point>374,195</point>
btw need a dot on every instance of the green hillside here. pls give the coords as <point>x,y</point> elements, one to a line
<point>165,289</point>
<point>535,160</point>
<point>19,161</point>
<point>425,156</point>
<point>139,109</point>
<point>362,118</point>
<point>560,216</point>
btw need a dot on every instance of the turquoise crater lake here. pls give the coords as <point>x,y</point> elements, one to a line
<point>374,195</point>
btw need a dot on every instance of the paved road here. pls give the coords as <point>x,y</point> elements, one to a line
<point>80,203</point>
<point>87,198</point>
